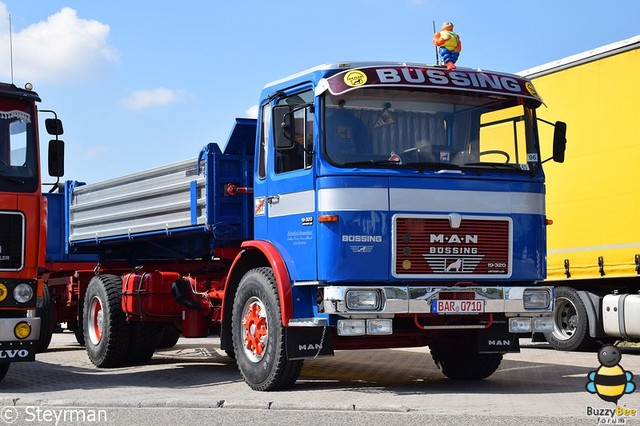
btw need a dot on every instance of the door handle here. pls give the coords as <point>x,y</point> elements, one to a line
<point>274,199</point>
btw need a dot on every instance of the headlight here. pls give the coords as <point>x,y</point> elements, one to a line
<point>3,292</point>
<point>362,300</point>
<point>536,299</point>
<point>23,293</point>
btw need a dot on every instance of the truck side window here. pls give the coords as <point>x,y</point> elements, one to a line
<point>299,156</point>
<point>264,141</point>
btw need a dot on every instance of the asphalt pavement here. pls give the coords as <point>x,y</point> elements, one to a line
<point>392,386</point>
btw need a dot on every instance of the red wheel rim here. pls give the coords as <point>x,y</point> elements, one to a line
<point>255,330</point>
<point>96,320</point>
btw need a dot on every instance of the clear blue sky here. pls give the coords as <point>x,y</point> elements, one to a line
<point>140,84</point>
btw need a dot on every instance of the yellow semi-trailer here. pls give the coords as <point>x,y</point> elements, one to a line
<point>593,198</point>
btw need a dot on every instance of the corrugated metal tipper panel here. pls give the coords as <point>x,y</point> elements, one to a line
<point>152,201</point>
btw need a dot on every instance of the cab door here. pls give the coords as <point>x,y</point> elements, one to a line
<point>285,198</point>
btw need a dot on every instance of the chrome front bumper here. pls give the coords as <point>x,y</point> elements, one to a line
<point>418,300</point>
<point>8,325</point>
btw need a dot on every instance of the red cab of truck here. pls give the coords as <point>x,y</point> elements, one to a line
<point>22,222</point>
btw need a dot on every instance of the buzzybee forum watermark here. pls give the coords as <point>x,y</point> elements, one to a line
<point>52,415</point>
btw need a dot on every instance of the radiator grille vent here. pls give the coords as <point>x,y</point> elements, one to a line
<point>11,241</point>
<point>430,246</point>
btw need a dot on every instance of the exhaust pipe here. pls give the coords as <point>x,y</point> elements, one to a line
<point>178,291</point>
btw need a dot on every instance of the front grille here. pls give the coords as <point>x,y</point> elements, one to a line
<point>11,241</point>
<point>430,246</point>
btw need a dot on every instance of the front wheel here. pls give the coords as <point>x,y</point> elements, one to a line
<point>570,322</point>
<point>47,314</point>
<point>4,367</point>
<point>106,331</point>
<point>460,359</point>
<point>258,334</point>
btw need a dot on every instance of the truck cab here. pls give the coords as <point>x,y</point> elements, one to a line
<point>22,224</point>
<point>403,196</point>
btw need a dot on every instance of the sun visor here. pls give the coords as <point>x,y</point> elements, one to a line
<point>491,83</point>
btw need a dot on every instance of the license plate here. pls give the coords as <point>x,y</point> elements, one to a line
<point>457,306</point>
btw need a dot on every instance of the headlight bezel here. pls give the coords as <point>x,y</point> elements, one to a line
<point>536,299</point>
<point>23,293</point>
<point>363,300</point>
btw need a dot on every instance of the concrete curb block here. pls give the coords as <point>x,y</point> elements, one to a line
<point>207,404</point>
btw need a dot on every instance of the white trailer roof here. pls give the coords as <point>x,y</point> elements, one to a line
<point>581,58</point>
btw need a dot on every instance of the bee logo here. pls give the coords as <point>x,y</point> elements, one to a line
<point>610,381</point>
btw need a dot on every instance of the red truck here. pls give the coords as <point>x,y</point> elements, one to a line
<point>25,321</point>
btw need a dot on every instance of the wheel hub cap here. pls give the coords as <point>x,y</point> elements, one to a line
<point>254,330</point>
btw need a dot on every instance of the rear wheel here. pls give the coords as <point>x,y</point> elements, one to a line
<point>143,342</point>
<point>106,331</point>
<point>78,329</point>
<point>258,334</point>
<point>460,359</point>
<point>571,324</point>
<point>169,337</point>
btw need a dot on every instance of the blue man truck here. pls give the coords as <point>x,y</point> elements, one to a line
<point>370,205</point>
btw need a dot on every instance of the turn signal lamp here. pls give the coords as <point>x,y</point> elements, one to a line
<point>3,292</point>
<point>22,330</point>
<point>328,218</point>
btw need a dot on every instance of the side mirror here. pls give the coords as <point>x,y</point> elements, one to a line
<point>559,141</point>
<point>56,158</point>
<point>283,122</point>
<point>54,126</point>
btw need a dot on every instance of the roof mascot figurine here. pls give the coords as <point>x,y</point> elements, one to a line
<point>449,45</point>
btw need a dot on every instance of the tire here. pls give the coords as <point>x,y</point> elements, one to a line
<point>459,359</point>
<point>169,336</point>
<point>106,331</point>
<point>78,331</point>
<point>47,315</point>
<point>4,367</point>
<point>258,334</point>
<point>571,323</point>
<point>79,336</point>
<point>143,342</point>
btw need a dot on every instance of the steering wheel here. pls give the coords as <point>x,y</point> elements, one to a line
<point>497,151</point>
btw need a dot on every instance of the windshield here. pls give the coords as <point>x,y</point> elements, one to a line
<point>17,148</point>
<point>426,129</point>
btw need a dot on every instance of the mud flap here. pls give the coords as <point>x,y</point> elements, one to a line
<point>18,351</point>
<point>308,342</point>
<point>497,339</point>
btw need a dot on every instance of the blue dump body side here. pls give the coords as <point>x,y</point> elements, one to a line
<point>107,220</point>
<point>56,232</point>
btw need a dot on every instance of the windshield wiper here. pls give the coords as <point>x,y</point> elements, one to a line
<point>431,165</point>
<point>372,163</point>
<point>498,166</point>
<point>420,166</point>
